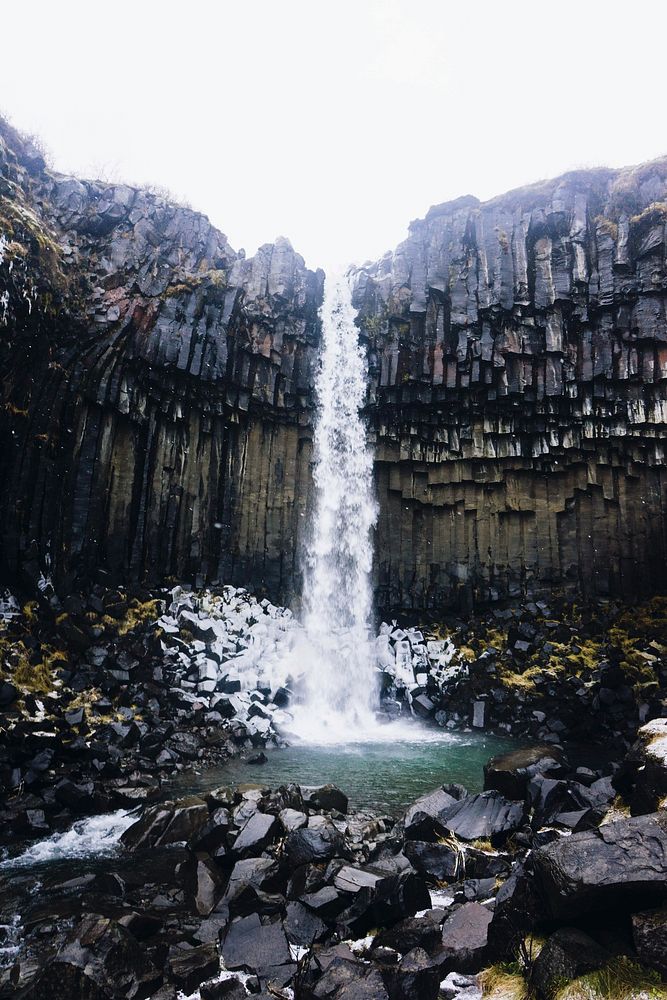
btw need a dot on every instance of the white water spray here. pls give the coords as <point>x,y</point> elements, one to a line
<point>338,692</point>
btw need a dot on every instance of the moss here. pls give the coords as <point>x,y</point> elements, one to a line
<point>654,214</point>
<point>139,613</point>
<point>607,226</point>
<point>214,278</point>
<point>621,979</point>
<point>504,981</point>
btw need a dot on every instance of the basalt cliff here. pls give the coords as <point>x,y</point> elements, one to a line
<point>158,391</point>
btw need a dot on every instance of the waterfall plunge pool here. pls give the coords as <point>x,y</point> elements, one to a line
<point>385,775</point>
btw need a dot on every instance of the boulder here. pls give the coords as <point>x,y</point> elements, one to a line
<point>168,823</point>
<point>386,902</point>
<point>313,845</point>
<point>99,960</point>
<point>254,886</point>
<point>327,797</point>
<point>439,861</point>
<point>203,883</point>
<point>302,926</point>
<point>484,816</point>
<point>620,864</point>
<point>258,947</point>
<point>350,980</point>
<point>464,941</point>
<point>567,954</point>
<point>415,978</point>
<point>193,966</point>
<point>642,778</point>
<point>649,933</point>
<point>256,834</point>
<point>510,773</point>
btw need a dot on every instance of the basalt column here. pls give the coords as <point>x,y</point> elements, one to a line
<point>518,393</point>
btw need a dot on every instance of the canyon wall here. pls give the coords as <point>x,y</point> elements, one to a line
<point>157,388</point>
<point>519,393</point>
<point>157,391</point>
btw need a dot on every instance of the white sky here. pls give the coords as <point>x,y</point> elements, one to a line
<point>335,123</point>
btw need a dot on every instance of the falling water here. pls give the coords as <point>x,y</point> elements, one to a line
<point>338,692</point>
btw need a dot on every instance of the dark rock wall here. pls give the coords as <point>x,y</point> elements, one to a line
<point>157,387</point>
<point>157,391</point>
<point>518,366</point>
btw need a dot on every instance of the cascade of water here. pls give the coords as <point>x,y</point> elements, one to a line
<point>338,692</point>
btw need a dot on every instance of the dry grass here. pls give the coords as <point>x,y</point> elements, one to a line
<point>621,979</point>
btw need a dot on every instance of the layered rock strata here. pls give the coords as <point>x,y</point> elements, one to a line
<point>158,391</point>
<point>157,386</point>
<point>518,356</point>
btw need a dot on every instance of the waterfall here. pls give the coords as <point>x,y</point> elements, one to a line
<point>338,688</point>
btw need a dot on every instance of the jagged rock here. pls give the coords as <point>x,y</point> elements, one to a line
<point>302,926</point>
<point>169,823</point>
<point>259,947</point>
<point>259,830</point>
<point>350,980</point>
<point>327,797</point>
<point>620,863</point>
<point>649,933</point>
<point>308,845</point>
<point>194,966</point>
<point>642,778</point>
<point>488,814</point>
<point>510,773</point>
<point>441,862</point>
<point>415,978</point>
<point>253,887</point>
<point>567,954</point>
<point>99,960</point>
<point>464,942</point>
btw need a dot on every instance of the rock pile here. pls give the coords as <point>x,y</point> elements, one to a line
<point>266,891</point>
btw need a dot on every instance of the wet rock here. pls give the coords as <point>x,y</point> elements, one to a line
<point>169,823</point>
<point>327,797</point>
<point>649,933</point>
<point>99,960</point>
<point>510,773</point>
<point>423,932</point>
<point>308,845</point>
<point>438,861</point>
<point>194,966</point>
<point>487,815</point>
<point>567,954</point>
<point>213,835</point>
<point>424,820</point>
<point>256,834</point>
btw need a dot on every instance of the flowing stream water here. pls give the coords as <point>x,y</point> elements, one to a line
<point>338,693</point>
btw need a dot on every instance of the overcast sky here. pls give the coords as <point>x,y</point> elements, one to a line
<point>335,123</point>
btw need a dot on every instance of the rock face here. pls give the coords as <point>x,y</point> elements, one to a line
<point>518,356</point>
<point>159,390</point>
<point>158,386</point>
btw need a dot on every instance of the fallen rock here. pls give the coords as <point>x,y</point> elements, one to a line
<point>510,773</point>
<point>464,941</point>
<point>642,778</point>
<point>649,933</point>
<point>484,816</point>
<point>620,864</point>
<point>194,966</point>
<point>327,797</point>
<point>567,954</point>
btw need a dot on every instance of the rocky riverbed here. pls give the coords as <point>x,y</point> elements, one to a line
<point>542,879</point>
<point>287,889</point>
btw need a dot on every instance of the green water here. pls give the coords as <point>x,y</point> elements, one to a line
<point>385,775</point>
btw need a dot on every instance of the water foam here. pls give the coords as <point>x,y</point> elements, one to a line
<point>95,836</point>
<point>334,655</point>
